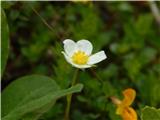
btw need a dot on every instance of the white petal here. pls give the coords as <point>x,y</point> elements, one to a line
<point>81,66</point>
<point>69,46</point>
<point>97,57</point>
<point>85,46</point>
<point>68,59</point>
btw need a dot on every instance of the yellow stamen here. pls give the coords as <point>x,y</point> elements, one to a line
<point>80,58</point>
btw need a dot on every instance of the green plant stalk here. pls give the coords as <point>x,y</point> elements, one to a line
<point>97,76</point>
<point>69,97</point>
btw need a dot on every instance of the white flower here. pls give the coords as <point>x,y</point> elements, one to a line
<point>78,54</point>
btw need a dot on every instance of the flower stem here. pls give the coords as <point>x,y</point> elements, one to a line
<point>69,97</point>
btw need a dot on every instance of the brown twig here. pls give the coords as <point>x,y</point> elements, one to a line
<point>44,21</point>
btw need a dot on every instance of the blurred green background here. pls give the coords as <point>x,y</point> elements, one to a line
<point>127,31</point>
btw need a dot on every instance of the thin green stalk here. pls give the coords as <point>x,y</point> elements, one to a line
<point>97,76</point>
<point>69,97</point>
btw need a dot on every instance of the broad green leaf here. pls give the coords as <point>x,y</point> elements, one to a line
<point>149,84</point>
<point>150,113</point>
<point>30,96</point>
<point>147,55</point>
<point>4,40</point>
<point>143,24</point>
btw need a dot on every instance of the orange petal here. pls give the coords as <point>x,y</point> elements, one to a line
<point>129,96</point>
<point>129,114</point>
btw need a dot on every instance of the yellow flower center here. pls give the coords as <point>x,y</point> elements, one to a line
<point>80,58</point>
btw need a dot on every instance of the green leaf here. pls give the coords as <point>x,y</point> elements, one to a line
<point>30,96</point>
<point>143,24</point>
<point>5,40</point>
<point>150,113</point>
